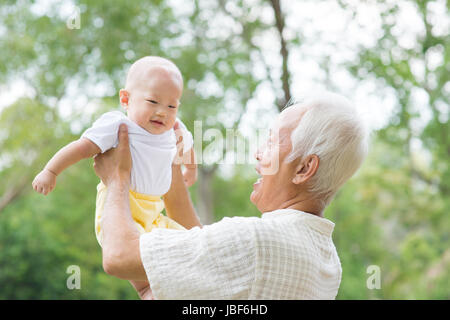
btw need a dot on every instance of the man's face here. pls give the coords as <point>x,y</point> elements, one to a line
<point>154,101</point>
<point>275,185</point>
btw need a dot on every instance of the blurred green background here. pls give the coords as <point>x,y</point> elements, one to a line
<point>241,61</point>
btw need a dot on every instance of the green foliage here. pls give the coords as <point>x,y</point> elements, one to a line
<point>41,236</point>
<point>410,195</point>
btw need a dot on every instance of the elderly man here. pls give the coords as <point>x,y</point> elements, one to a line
<point>288,253</point>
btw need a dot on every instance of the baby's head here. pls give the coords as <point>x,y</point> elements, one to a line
<point>152,92</point>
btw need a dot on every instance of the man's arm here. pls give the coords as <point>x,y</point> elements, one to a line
<point>189,161</point>
<point>143,289</point>
<point>120,243</point>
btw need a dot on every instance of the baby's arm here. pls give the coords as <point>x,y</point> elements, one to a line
<point>75,151</point>
<point>190,173</point>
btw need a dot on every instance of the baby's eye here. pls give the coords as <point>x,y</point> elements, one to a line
<point>153,101</point>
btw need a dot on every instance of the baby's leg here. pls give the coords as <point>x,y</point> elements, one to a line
<point>147,210</point>
<point>165,222</point>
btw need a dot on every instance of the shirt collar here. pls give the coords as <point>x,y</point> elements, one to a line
<point>321,224</point>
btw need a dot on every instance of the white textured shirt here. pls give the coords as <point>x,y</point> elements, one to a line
<point>285,254</point>
<point>151,154</point>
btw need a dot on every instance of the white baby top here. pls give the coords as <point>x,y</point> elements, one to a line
<point>152,154</point>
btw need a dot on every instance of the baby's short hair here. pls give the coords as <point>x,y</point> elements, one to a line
<point>152,61</point>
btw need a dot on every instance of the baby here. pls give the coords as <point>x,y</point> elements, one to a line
<point>151,98</point>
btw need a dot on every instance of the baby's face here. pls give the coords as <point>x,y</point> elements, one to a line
<point>154,100</point>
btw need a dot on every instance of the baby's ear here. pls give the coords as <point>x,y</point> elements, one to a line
<point>124,96</point>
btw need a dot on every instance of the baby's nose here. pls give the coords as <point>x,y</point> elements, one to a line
<point>160,112</point>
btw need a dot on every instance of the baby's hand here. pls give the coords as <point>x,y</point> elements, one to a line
<point>44,182</point>
<point>190,175</point>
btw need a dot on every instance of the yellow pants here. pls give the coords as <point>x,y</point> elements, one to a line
<point>145,210</point>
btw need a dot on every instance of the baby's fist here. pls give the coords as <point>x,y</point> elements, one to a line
<point>44,182</point>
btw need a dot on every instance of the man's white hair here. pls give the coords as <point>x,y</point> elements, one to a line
<point>331,129</point>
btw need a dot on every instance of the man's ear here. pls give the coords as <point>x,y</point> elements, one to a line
<point>306,169</point>
<point>124,97</point>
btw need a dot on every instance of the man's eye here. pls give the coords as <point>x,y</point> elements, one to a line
<point>173,107</point>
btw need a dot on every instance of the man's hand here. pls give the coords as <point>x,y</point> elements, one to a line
<point>190,176</point>
<point>178,160</point>
<point>186,158</point>
<point>115,163</point>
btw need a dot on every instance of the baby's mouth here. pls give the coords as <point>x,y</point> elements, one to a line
<point>157,123</point>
